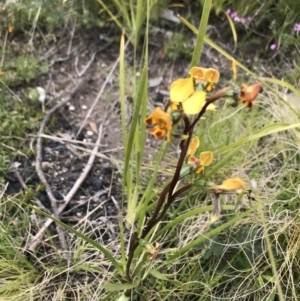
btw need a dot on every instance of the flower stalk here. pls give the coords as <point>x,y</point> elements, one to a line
<point>190,99</point>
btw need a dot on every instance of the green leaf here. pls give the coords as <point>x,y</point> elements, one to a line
<point>111,14</point>
<point>232,26</point>
<point>212,233</point>
<point>267,130</point>
<point>164,277</point>
<point>122,88</point>
<point>182,217</point>
<point>135,116</point>
<point>269,278</point>
<point>149,193</point>
<point>102,249</point>
<point>201,33</point>
<point>282,83</point>
<point>272,296</point>
<point>115,287</point>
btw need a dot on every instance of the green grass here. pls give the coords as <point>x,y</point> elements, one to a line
<point>18,120</point>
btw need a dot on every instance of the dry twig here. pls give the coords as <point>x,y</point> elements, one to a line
<point>86,67</point>
<point>39,170</point>
<point>37,238</point>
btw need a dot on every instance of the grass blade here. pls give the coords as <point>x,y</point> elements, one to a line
<point>201,33</point>
<point>134,121</point>
<point>122,88</point>
<point>212,233</point>
<point>115,287</point>
<point>282,83</point>
<point>232,27</point>
<point>267,130</point>
<point>186,215</point>
<point>102,249</point>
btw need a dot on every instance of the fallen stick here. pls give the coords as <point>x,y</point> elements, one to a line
<point>41,175</point>
<point>40,172</point>
<point>37,238</point>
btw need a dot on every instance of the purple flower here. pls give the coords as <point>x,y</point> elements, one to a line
<point>273,46</point>
<point>297,27</point>
<point>228,11</point>
<point>234,14</point>
<point>249,19</point>
<point>236,19</point>
<point>243,20</point>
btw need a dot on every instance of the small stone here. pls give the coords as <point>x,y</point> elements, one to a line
<point>169,15</point>
<point>71,108</point>
<point>79,214</point>
<point>42,94</point>
<point>83,107</point>
<point>154,82</point>
<point>89,133</point>
<point>109,80</point>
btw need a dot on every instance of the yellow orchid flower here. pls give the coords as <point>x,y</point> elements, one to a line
<point>205,158</point>
<point>195,103</point>
<point>212,75</point>
<point>211,108</point>
<point>157,132</point>
<point>183,90</point>
<point>205,74</point>
<point>227,186</point>
<point>194,144</point>
<point>249,93</point>
<point>232,184</point>
<point>162,122</point>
